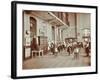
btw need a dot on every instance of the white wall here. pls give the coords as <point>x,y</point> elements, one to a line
<point>5,40</point>
<point>83,21</point>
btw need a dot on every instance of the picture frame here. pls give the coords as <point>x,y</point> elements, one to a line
<point>40,22</point>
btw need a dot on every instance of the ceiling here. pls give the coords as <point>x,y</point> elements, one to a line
<point>49,17</point>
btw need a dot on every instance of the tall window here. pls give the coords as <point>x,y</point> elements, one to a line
<point>32,26</point>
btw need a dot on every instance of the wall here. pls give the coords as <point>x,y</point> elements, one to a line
<point>5,40</point>
<point>45,28</point>
<point>70,30</point>
<point>26,38</point>
<point>83,21</point>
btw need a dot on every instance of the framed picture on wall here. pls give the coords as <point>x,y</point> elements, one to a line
<point>50,39</point>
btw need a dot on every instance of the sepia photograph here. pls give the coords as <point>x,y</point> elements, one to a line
<point>56,39</point>
<point>53,39</point>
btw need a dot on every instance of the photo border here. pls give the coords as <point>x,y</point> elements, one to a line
<point>14,38</point>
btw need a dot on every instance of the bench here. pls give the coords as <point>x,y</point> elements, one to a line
<point>37,52</point>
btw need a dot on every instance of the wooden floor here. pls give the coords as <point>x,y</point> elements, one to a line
<point>57,61</point>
